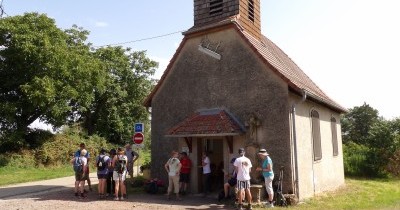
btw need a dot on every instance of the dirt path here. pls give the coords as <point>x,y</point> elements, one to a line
<point>58,194</point>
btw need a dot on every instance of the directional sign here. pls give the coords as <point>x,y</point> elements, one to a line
<point>138,138</point>
<point>139,128</point>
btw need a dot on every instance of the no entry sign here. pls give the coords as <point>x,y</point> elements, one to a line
<point>138,138</point>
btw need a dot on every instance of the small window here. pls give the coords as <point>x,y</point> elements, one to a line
<point>334,137</point>
<point>251,10</point>
<point>216,7</point>
<point>316,134</point>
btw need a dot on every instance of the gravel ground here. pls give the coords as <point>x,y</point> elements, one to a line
<point>65,199</point>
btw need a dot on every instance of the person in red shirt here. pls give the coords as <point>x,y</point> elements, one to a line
<point>185,172</point>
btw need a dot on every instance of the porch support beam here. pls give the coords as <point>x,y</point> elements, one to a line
<point>188,141</point>
<point>229,140</point>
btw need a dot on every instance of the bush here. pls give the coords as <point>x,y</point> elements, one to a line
<point>359,160</point>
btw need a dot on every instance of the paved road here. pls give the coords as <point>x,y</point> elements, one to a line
<point>40,187</point>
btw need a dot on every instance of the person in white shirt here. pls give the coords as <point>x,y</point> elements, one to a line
<point>243,168</point>
<point>173,167</point>
<point>206,173</point>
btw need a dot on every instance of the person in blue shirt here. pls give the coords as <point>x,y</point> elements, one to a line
<point>87,156</point>
<point>268,173</point>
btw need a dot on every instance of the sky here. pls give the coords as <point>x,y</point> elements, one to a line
<point>349,48</point>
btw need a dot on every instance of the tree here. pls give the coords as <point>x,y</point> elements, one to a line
<point>44,72</point>
<point>115,110</point>
<point>357,123</point>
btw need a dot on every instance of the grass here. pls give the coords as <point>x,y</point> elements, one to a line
<point>358,194</point>
<point>13,175</point>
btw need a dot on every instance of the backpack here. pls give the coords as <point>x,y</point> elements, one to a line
<point>120,164</point>
<point>152,187</point>
<point>101,163</point>
<point>78,165</point>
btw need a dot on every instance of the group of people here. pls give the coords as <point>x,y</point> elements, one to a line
<point>178,169</point>
<point>112,168</point>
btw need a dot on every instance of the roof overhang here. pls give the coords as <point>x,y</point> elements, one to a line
<point>207,123</point>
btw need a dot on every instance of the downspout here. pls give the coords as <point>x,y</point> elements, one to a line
<point>296,164</point>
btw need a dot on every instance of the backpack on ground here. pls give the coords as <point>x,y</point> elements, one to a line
<point>120,165</point>
<point>101,163</point>
<point>78,165</point>
<point>151,187</point>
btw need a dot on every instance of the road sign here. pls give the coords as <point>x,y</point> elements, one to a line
<point>139,128</point>
<point>138,138</point>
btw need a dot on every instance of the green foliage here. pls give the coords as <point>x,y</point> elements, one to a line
<point>370,143</point>
<point>55,76</point>
<point>357,123</point>
<point>45,73</point>
<point>127,82</point>
<point>57,150</point>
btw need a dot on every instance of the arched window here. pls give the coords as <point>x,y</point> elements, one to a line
<point>316,135</point>
<point>334,137</point>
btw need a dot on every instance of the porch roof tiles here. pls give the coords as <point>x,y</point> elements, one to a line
<point>210,122</point>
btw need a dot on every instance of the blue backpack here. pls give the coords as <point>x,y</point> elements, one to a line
<point>78,165</point>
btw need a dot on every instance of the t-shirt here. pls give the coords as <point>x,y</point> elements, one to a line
<point>243,165</point>
<point>173,165</point>
<point>264,166</point>
<point>186,164</point>
<point>206,167</point>
<point>130,154</point>
<point>106,160</point>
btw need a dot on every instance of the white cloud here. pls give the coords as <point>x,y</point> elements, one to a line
<point>101,24</point>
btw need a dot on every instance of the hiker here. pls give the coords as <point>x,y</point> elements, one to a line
<point>232,181</point>
<point>243,167</point>
<point>132,157</point>
<point>173,167</point>
<point>184,177</point>
<point>80,168</point>
<point>268,173</point>
<point>205,163</point>
<point>119,163</point>
<point>87,156</point>
<point>110,181</point>
<point>102,163</point>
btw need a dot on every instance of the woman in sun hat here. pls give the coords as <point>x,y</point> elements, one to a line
<point>268,173</point>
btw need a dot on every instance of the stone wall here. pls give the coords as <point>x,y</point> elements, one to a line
<point>239,82</point>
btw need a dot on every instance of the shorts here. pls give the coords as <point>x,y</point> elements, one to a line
<point>268,184</point>
<point>102,176</point>
<point>243,184</point>
<point>232,182</point>
<point>79,177</point>
<point>117,176</point>
<point>183,177</point>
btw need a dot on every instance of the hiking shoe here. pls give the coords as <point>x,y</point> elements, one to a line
<point>116,198</point>
<point>240,207</point>
<point>76,194</point>
<point>122,198</point>
<point>249,207</point>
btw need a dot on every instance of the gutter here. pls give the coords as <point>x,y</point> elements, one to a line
<point>296,161</point>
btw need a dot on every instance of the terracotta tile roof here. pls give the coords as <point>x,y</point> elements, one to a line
<point>210,122</point>
<point>272,55</point>
<point>289,70</point>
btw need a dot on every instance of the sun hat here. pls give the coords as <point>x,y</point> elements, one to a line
<point>263,152</point>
